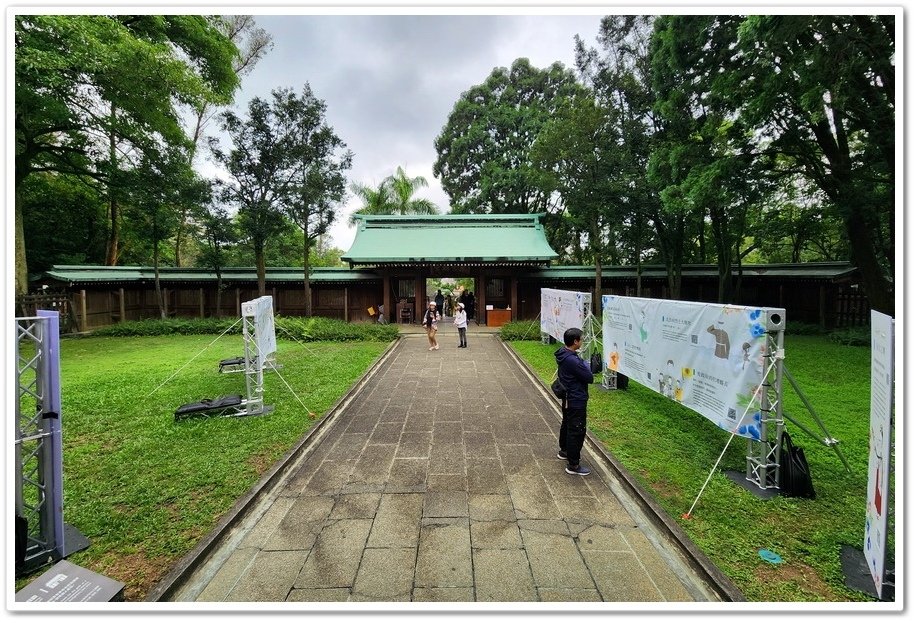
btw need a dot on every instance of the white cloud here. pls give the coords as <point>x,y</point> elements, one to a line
<point>390,81</point>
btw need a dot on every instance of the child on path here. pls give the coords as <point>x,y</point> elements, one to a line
<point>431,322</point>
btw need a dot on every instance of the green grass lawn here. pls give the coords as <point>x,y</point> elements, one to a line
<point>143,488</point>
<point>671,451</point>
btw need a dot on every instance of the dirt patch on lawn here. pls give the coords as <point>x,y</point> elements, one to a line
<point>799,574</point>
<point>138,572</point>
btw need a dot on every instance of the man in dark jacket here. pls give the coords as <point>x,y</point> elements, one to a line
<point>576,376</point>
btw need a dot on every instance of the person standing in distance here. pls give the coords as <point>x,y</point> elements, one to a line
<point>440,302</point>
<point>576,376</point>
<point>431,322</point>
<point>461,321</point>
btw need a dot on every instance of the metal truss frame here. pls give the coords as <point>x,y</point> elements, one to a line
<point>38,444</point>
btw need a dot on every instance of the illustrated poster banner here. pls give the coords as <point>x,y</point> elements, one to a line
<point>262,310</point>
<point>879,445</point>
<point>561,310</point>
<point>707,357</point>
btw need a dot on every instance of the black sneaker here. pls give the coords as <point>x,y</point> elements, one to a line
<point>578,470</point>
<point>561,455</point>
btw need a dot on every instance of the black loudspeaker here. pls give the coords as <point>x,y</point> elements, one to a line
<point>622,381</point>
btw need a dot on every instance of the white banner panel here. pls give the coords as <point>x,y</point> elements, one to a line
<point>561,310</point>
<point>706,356</point>
<point>261,310</point>
<point>879,445</point>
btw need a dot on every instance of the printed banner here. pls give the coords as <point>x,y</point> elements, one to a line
<point>708,357</point>
<point>879,445</point>
<point>561,310</point>
<point>261,310</point>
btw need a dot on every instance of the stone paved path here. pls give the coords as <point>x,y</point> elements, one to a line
<point>439,482</point>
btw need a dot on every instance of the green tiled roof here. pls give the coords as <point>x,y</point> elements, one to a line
<point>819,270</point>
<point>469,239</point>
<point>139,274</point>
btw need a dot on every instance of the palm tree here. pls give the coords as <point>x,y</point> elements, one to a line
<point>375,200</point>
<point>393,196</point>
<point>403,188</point>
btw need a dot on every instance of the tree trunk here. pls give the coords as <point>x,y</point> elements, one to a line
<point>22,269</point>
<point>156,279</point>
<point>878,290</point>
<point>261,264</point>
<point>219,294</point>
<point>179,236</point>
<point>306,280</point>
<point>114,212</point>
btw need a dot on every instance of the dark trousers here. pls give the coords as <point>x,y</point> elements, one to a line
<point>572,433</point>
<point>462,336</point>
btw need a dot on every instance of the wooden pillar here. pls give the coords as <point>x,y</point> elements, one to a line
<point>201,298</point>
<point>84,323</point>
<point>386,294</point>
<point>481,298</point>
<point>419,296</point>
<point>346,304</point>
<point>276,302</point>
<point>238,302</point>
<point>165,301</point>
<point>513,296</point>
<point>121,306</point>
<point>822,306</point>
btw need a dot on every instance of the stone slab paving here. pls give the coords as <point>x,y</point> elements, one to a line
<point>438,482</point>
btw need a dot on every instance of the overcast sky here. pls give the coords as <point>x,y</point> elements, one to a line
<point>390,81</point>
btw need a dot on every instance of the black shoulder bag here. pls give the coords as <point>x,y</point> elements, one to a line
<point>794,473</point>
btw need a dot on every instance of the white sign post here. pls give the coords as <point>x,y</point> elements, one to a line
<point>879,446</point>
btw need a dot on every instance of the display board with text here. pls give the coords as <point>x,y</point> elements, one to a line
<point>708,357</point>
<point>562,310</point>
<point>879,446</point>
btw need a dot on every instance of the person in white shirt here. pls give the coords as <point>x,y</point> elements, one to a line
<point>461,321</point>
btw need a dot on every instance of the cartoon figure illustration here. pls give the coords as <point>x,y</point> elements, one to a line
<point>878,450</point>
<point>722,344</point>
<point>643,329</point>
<point>746,357</point>
<point>678,391</point>
<point>669,379</point>
<point>614,358</point>
<point>661,382</point>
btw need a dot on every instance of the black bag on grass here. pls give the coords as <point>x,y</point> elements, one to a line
<point>794,473</point>
<point>596,363</point>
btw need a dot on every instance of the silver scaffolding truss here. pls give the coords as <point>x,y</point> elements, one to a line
<point>41,534</point>
<point>762,459</point>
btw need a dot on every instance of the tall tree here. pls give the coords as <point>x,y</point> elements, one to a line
<point>319,160</point>
<point>818,93</point>
<point>395,195</point>
<point>619,74</point>
<point>403,189</point>
<point>484,159</point>
<point>253,43</point>
<point>219,233</point>
<point>575,149</point>
<point>73,71</point>
<point>157,192</point>
<point>283,156</point>
<point>830,107</point>
<point>375,200</point>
